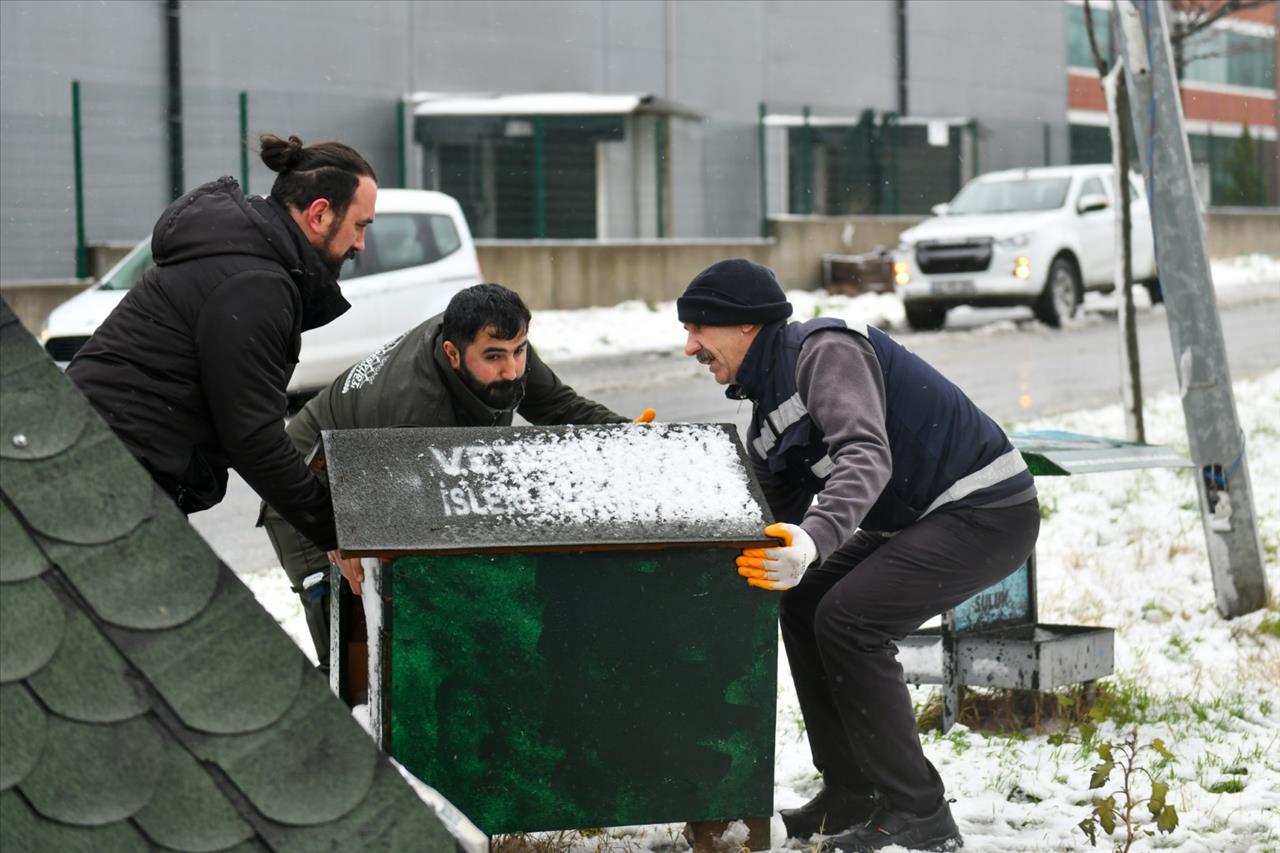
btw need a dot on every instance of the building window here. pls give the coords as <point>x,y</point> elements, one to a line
<point>1236,59</point>
<point>1079,53</point>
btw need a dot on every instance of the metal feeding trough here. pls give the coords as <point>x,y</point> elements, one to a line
<point>995,639</point>
<point>557,637</point>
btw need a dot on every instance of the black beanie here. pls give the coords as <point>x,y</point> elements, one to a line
<point>731,292</point>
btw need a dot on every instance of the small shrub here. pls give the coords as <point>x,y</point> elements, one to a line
<point>1121,807</point>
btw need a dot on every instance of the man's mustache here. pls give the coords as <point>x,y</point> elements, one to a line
<point>704,357</point>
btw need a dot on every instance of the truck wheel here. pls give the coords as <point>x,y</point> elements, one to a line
<point>1061,295</point>
<point>925,317</point>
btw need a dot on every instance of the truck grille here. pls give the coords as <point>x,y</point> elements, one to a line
<point>64,349</point>
<point>939,256</point>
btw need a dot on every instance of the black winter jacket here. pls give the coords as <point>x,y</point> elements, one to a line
<point>190,369</point>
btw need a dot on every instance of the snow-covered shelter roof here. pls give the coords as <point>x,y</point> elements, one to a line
<point>542,488</point>
<point>799,120</point>
<point>439,104</point>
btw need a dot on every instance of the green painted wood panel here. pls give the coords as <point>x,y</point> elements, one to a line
<point>573,690</point>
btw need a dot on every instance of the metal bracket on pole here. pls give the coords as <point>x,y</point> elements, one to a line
<point>1213,426</point>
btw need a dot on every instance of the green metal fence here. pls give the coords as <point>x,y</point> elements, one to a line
<point>118,148</point>
<point>876,163</point>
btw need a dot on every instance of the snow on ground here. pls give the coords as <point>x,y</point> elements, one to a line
<point>1125,550</point>
<point>638,326</point>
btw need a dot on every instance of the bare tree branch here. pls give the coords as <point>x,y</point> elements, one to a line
<point>1098,59</point>
<point>1195,15</point>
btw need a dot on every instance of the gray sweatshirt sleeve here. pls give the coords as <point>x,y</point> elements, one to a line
<point>839,380</point>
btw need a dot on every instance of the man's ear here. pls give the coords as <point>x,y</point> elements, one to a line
<point>454,354</point>
<point>318,214</point>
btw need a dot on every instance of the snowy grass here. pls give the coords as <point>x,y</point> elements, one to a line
<point>1124,550</point>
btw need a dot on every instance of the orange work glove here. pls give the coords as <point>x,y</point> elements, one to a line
<point>779,568</point>
<point>645,417</point>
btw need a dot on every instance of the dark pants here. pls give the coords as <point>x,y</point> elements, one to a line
<point>300,558</point>
<point>840,625</point>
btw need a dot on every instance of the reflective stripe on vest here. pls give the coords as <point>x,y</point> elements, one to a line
<point>997,471</point>
<point>765,441</point>
<point>823,467</point>
<point>789,411</point>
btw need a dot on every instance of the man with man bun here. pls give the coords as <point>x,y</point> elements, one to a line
<point>191,368</point>
<point>897,499</point>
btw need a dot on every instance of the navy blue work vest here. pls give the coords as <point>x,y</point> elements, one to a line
<point>944,448</point>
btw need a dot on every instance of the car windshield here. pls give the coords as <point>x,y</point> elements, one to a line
<point>1010,196</point>
<point>128,272</point>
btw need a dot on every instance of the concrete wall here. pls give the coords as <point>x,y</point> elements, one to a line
<point>580,273</point>
<point>1243,231</point>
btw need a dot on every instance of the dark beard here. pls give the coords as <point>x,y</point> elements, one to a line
<point>502,395</point>
<point>332,260</point>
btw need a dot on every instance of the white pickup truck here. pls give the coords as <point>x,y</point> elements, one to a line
<point>1036,237</point>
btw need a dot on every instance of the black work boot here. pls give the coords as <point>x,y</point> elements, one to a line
<point>934,831</point>
<point>833,810</point>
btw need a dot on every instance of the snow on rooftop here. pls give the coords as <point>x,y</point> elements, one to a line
<point>541,103</point>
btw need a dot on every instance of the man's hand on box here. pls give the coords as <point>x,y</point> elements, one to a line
<point>351,569</point>
<point>782,567</point>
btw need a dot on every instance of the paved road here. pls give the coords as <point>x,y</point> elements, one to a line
<point>1013,367</point>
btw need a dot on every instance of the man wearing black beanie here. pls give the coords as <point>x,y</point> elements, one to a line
<point>897,499</point>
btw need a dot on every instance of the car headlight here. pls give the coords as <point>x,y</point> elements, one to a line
<point>1022,267</point>
<point>901,274</point>
<point>44,334</point>
<point>905,246</point>
<point>1014,241</point>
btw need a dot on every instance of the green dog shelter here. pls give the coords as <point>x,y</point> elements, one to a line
<point>554,633</point>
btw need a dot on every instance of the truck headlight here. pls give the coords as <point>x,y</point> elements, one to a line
<point>1015,241</point>
<point>1022,267</point>
<point>901,274</point>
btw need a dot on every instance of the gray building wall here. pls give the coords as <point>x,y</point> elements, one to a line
<point>331,69</point>
<point>43,46</point>
<point>1001,63</point>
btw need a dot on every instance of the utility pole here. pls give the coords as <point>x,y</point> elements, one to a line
<point>1208,404</point>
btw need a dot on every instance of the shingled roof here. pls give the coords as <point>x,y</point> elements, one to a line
<point>146,699</point>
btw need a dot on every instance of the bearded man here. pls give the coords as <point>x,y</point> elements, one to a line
<point>191,368</point>
<point>470,366</point>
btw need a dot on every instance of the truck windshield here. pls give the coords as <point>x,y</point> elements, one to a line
<point>1010,196</point>
<point>128,272</point>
